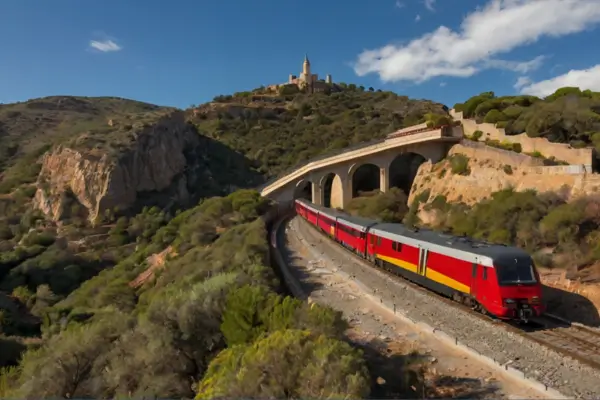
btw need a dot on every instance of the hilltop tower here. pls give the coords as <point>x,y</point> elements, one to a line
<point>306,66</point>
<point>307,80</point>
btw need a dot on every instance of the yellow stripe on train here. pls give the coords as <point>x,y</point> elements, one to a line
<point>447,281</point>
<point>401,263</point>
<point>429,273</point>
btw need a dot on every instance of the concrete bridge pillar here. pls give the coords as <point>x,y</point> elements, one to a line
<point>384,179</point>
<point>346,192</point>
<point>317,193</point>
<point>341,191</point>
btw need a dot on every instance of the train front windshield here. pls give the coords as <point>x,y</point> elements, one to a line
<point>513,271</point>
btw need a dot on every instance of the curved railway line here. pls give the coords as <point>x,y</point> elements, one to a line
<point>573,340</point>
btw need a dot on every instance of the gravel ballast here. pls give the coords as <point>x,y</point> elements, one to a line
<point>488,338</point>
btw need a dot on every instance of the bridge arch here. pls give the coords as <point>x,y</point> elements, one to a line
<point>403,169</point>
<point>332,188</point>
<point>303,190</point>
<point>364,177</point>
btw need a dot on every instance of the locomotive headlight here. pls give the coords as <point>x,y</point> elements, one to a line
<point>509,301</point>
<point>535,300</point>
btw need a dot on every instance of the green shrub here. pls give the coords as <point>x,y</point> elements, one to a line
<point>39,239</point>
<point>287,364</point>
<point>252,311</point>
<point>507,169</point>
<point>513,112</point>
<point>477,135</point>
<point>494,116</point>
<point>386,207</point>
<point>436,120</point>
<point>459,164</point>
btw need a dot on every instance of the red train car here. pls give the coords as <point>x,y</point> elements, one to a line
<point>496,279</point>
<point>328,220</point>
<point>352,232</point>
<point>307,210</point>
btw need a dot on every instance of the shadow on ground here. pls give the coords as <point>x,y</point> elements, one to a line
<point>410,376</point>
<point>296,263</point>
<point>571,306</point>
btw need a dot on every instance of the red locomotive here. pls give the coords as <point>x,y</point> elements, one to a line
<point>495,279</point>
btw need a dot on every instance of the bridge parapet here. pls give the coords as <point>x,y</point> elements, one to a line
<point>397,139</point>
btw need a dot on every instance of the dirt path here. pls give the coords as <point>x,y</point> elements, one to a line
<point>392,345</point>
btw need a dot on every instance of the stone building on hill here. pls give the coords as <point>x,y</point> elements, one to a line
<point>307,80</point>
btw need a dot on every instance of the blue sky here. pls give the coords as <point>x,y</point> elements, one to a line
<point>184,52</point>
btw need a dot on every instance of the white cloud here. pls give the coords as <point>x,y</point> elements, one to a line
<point>429,4</point>
<point>105,46</point>
<point>517,66</point>
<point>400,4</point>
<point>417,18</point>
<point>522,82</point>
<point>583,79</point>
<point>442,84</point>
<point>495,29</point>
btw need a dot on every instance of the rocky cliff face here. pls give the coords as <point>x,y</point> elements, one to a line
<point>99,180</point>
<point>491,170</point>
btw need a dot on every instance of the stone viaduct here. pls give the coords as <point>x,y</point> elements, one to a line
<point>332,181</point>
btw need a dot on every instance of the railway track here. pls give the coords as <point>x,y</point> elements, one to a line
<point>580,342</point>
<point>573,340</point>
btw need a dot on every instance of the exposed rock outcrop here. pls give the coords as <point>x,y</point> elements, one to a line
<point>489,173</point>
<point>101,180</point>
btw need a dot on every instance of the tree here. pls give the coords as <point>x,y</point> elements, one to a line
<point>253,311</point>
<point>287,364</point>
<point>494,116</point>
<point>70,363</point>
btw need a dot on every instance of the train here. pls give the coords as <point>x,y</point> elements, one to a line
<point>496,280</point>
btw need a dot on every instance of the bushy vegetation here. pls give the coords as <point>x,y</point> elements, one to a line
<point>280,131</point>
<point>567,233</point>
<point>28,129</point>
<point>141,301</point>
<point>459,164</point>
<point>111,338</point>
<point>569,115</point>
<point>156,301</point>
<point>323,368</point>
<point>385,207</point>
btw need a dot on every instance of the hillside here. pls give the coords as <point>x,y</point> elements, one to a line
<point>110,245</point>
<point>85,182</point>
<point>29,128</point>
<point>278,132</point>
<point>567,116</point>
<point>94,232</point>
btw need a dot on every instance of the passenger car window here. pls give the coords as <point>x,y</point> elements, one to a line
<point>394,246</point>
<point>474,270</point>
<point>485,274</point>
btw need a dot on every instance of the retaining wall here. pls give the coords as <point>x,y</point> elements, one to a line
<point>560,151</point>
<point>482,151</point>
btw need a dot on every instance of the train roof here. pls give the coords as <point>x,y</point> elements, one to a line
<point>332,212</point>
<point>359,223</point>
<point>461,247</point>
